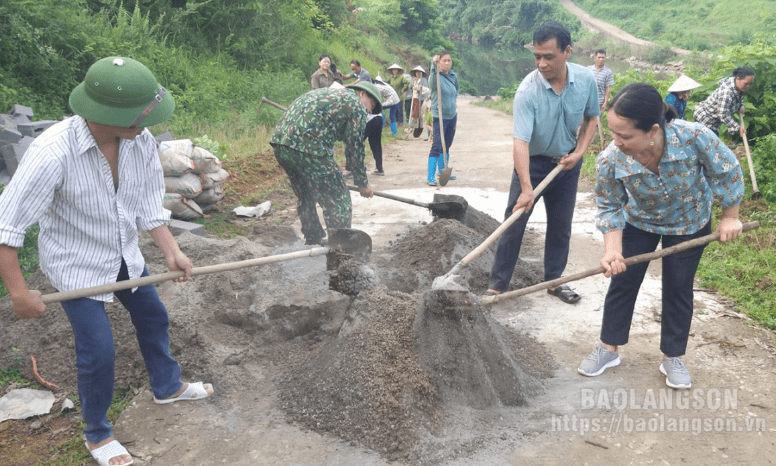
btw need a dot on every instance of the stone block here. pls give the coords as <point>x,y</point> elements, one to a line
<point>166,136</point>
<point>179,226</point>
<point>21,113</point>
<point>34,129</point>
<point>13,153</point>
<point>10,135</point>
<point>7,121</point>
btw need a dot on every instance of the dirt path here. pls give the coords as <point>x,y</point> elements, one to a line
<point>611,30</point>
<point>223,331</point>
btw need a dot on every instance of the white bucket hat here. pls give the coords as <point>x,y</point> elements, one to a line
<point>395,66</point>
<point>684,83</point>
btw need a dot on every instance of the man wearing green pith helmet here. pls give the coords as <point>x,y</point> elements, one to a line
<point>303,142</point>
<point>91,181</point>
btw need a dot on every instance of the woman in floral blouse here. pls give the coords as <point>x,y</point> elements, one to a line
<point>657,182</point>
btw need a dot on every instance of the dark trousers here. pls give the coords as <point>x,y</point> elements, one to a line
<point>560,196</point>
<point>678,276</point>
<point>374,133</point>
<point>407,109</point>
<point>449,127</point>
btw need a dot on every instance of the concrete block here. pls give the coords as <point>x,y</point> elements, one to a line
<point>34,129</point>
<point>10,135</point>
<point>179,226</point>
<point>166,136</point>
<point>13,153</point>
<point>21,113</point>
<point>7,121</point>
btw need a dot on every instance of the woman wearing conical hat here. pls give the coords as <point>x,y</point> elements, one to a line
<point>679,92</point>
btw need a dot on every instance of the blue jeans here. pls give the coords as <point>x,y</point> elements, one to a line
<point>95,352</point>
<point>393,112</point>
<point>560,196</point>
<point>677,277</point>
<point>449,126</point>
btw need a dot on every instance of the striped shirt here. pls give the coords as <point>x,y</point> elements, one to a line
<point>603,78</point>
<point>86,225</point>
<point>695,168</point>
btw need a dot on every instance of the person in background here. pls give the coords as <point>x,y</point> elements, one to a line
<point>407,100</point>
<point>550,104</point>
<point>327,73</point>
<point>656,184</point>
<point>727,99</point>
<point>604,78</point>
<point>358,73</point>
<point>303,143</point>
<point>679,92</point>
<point>374,127</point>
<point>448,81</point>
<point>90,182</point>
<point>417,87</point>
<point>399,84</point>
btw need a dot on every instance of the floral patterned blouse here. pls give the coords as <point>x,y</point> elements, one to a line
<point>695,168</point>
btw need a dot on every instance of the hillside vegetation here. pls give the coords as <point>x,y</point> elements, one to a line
<point>694,25</point>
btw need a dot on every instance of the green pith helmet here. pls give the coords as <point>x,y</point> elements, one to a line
<point>119,91</point>
<point>371,90</point>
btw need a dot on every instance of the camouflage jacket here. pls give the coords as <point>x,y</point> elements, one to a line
<point>318,118</point>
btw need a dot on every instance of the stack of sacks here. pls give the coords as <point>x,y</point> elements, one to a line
<point>193,178</point>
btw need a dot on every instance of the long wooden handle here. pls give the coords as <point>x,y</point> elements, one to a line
<point>749,158</point>
<point>507,223</point>
<point>163,277</point>
<point>693,243</point>
<point>439,102</point>
<point>394,197</point>
<point>601,133</point>
<point>276,105</point>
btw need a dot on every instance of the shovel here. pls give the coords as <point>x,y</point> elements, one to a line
<point>444,174</point>
<point>755,191</point>
<point>416,132</point>
<point>693,243</point>
<point>448,209</point>
<point>449,279</point>
<point>345,240</point>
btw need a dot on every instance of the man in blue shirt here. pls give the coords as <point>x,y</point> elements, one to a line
<point>549,106</point>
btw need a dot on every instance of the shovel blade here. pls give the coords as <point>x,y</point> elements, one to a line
<point>417,132</point>
<point>350,241</point>
<point>444,175</point>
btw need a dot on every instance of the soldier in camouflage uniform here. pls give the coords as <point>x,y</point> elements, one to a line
<point>304,141</point>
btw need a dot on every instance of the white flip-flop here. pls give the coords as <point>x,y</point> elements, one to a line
<point>107,452</point>
<point>195,391</point>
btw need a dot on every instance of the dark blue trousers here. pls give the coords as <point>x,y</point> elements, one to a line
<point>559,196</point>
<point>449,126</point>
<point>678,276</point>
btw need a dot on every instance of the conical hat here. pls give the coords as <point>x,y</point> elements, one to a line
<point>684,83</point>
<point>419,68</point>
<point>395,66</point>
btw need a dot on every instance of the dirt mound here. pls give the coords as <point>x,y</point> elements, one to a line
<point>416,259</point>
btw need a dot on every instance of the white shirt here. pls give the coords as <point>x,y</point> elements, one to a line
<point>86,225</point>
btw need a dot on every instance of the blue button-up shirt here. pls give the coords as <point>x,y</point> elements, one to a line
<point>548,121</point>
<point>695,168</point>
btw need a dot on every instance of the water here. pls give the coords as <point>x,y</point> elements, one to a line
<point>489,68</point>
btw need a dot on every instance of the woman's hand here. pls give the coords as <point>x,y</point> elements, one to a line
<point>729,229</point>
<point>613,263</point>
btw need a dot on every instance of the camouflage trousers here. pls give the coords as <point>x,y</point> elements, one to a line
<point>318,180</point>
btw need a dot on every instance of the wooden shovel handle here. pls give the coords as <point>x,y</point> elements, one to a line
<point>163,277</point>
<point>749,158</point>
<point>394,197</point>
<point>439,104</point>
<point>693,243</point>
<point>276,105</point>
<point>507,223</point>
